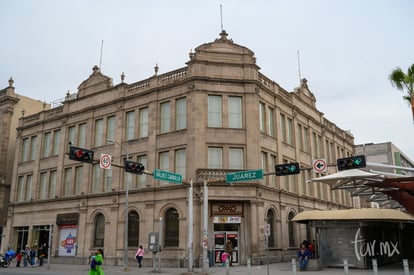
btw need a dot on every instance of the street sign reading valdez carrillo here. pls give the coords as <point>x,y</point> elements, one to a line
<point>167,176</point>
<point>244,176</point>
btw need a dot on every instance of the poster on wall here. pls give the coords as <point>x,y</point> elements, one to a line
<point>67,240</point>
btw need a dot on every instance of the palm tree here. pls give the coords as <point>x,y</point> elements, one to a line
<point>404,81</point>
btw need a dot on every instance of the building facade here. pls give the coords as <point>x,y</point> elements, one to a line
<point>216,115</point>
<point>12,107</point>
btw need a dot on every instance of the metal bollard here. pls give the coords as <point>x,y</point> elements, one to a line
<point>375,266</point>
<point>249,271</point>
<point>406,267</point>
<point>346,269</point>
<point>294,266</point>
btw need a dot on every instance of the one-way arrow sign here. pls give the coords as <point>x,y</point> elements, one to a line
<point>319,165</point>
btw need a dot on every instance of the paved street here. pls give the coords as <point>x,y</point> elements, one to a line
<point>279,269</point>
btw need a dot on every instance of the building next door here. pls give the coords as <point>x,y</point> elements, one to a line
<point>220,240</point>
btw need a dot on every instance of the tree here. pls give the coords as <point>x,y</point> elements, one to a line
<point>404,82</point>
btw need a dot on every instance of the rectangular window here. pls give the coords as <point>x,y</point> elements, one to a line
<point>52,184</point>
<point>78,179</point>
<point>46,144</point>
<point>82,135</point>
<point>181,114</point>
<point>143,122</point>
<point>28,191</point>
<point>215,158</point>
<point>142,179</point>
<point>72,135</point>
<point>264,164</point>
<point>300,137</point>
<point>180,162</point>
<point>68,182</point>
<point>236,158</point>
<point>262,117</point>
<point>272,168</point>
<point>130,125</point>
<point>25,150</point>
<point>43,186</point>
<point>98,132</point>
<point>164,162</point>
<point>110,128</point>
<point>20,188</point>
<point>165,116</point>
<point>289,131</point>
<point>271,121</point>
<point>283,127</point>
<point>108,179</point>
<point>56,142</point>
<point>305,139</point>
<point>214,111</point>
<point>235,112</point>
<point>33,144</point>
<point>96,181</point>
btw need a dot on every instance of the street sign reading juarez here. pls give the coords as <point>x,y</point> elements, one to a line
<point>167,176</point>
<point>244,176</point>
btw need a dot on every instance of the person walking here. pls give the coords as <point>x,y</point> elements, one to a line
<point>229,250</point>
<point>96,263</point>
<point>140,255</point>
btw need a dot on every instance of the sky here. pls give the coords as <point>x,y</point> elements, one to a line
<point>346,49</point>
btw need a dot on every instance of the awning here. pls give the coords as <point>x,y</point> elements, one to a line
<point>366,214</point>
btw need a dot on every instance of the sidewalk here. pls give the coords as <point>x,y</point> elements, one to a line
<point>278,268</point>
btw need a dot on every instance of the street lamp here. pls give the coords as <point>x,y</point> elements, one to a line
<point>126,211</point>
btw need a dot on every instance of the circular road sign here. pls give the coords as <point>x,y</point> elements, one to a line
<point>319,165</point>
<point>105,161</point>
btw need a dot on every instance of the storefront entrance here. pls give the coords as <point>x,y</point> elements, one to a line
<point>220,240</point>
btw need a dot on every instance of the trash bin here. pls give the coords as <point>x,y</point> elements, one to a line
<point>210,255</point>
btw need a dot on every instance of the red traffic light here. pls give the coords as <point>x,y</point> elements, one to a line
<point>80,154</point>
<point>134,167</point>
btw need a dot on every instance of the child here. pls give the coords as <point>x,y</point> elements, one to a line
<point>18,258</point>
<point>224,258</point>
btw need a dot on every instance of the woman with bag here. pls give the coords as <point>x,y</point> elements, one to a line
<point>96,263</point>
<point>139,255</point>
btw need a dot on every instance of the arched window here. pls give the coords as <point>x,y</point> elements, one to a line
<point>133,229</point>
<point>99,231</point>
<point>171,228</point>
<point>271,222</point>
<point>291,230</point>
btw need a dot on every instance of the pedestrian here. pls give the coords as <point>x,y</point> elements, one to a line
<point>26,255</point>
<point>96,263</point>
<point>40,255</point>
<point>18,258</point>
<point>303,256</point>
<point>140,255</point>
<point>32,256</point>
<point>229,250</point>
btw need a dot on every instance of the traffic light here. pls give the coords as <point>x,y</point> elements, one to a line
<point>80,154</point>
<point>134,167</point>
<point>351,163</point>
<point>287,169</point>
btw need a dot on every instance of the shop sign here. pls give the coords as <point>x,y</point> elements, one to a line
<point>67,218</point>
<point>228,219</point>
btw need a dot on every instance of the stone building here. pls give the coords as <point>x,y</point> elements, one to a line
<point>12,107</point>
<point>216,115</point>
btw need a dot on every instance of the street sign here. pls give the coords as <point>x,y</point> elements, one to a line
<point>244,176</point>
<point>320,166</point>
<point>105,161</point>
<point>167,176</point>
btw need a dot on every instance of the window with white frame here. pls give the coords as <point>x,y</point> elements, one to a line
<point>24,152</point>
<point>43,186</point>
<point>130,125</point>
<point>289,134</point>
<point>180,114</point>
<point>21,184</point>
<point>180,162</point>
<point>107,179</point>
<point>164,161</point>
<point>143,122</point>
<point>56,143</point>
<point>215,111</point>
<point>110,128</point>
<point>235,112</point>
<point>52,184</point>
<point>72,140</point>
<point>78,179</point>
<point>98,140</point>
<point>33,144</point>
<point>96,178</point>
<point>165,117</point>
<point>142,179</point>
<point>236,158</point>
<point>215,158</point>
<point>262,117</point>
<point>46,144</point>
<point>28,190</point>
<point>68,182</point>
<point>283,129</point>
<point>82,135</point>
<point>271,121</point>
